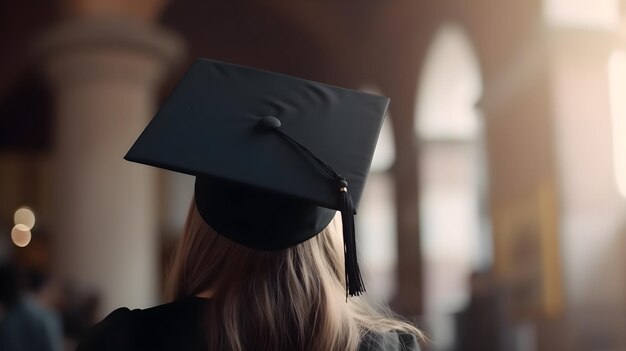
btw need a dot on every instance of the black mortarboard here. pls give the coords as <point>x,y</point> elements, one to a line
<point>274,156</point>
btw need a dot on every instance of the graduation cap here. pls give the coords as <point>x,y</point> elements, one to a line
<point>274,155</point>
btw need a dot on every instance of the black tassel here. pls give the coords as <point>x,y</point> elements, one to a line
<point>354,281</point>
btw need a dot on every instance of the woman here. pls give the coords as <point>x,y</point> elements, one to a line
<point>263,263</point>
<point>229,297</point>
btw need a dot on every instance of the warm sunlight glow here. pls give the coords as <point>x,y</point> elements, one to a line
<point>617,85</point>
<point>582,13</point>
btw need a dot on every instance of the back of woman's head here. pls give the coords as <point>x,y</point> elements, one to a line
<point>292,299</point>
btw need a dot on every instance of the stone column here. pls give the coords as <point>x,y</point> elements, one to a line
<point>106,76</point>
<point>410,294</point>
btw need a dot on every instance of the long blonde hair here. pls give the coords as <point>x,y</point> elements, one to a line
<point>293,299</point>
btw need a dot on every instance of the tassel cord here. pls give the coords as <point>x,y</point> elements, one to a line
<point>354,281</point>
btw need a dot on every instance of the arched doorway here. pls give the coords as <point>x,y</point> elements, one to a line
<point>452,177</point>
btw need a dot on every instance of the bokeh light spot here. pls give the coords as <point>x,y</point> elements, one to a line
<point>25,216</point>
<point>20,234</point>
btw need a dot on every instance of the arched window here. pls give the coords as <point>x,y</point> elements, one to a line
<point>451,164</point>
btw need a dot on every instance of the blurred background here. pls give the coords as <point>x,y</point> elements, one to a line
<point>495,213</point>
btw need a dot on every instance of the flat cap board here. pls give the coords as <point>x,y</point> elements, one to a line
<point>209,126</point>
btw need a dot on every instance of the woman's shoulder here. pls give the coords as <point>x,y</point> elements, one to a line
<point>155,328</point>
<point>112,333</point>
<point>395,340</point>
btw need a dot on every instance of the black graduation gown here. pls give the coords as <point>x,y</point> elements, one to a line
<point>178,326</point>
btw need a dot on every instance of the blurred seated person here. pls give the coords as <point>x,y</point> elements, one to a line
<point>482,324</point>
<point>26,324</point>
